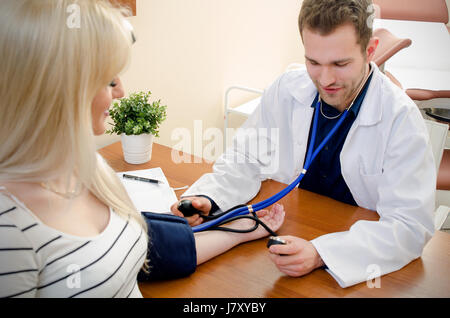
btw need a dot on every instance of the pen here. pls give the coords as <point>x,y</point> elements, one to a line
<point>128,176</point>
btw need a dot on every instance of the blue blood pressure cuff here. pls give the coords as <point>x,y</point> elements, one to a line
<point>171,248</point>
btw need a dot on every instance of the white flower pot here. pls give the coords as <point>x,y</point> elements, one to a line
<point>137,149</point>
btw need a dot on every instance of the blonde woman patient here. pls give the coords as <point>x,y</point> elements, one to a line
<point>67,225</point>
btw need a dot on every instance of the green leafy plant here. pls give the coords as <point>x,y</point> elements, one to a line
<point>135,115</point>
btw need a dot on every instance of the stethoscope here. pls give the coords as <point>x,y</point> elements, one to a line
<point>249,211</point>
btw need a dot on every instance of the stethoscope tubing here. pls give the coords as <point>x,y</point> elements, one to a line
<point>275,198</point>
<point>244,210</point>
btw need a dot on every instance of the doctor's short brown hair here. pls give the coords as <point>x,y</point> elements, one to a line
<point>324,16</point>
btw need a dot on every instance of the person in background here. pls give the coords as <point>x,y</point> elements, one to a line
<point>380,157</point>
<point>67,225</point>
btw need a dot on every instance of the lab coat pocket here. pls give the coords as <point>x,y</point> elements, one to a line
<point>370,182</point>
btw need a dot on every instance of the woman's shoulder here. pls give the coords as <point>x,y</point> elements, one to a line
<point>18,251</point>
<point>12,210</point>
<point>12,231</point>
<point>15,222</point>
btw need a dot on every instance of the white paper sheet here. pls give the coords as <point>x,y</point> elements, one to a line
<point>149,197</point>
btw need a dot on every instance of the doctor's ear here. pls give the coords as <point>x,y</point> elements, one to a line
<point>372,47</point>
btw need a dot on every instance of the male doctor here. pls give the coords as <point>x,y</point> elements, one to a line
<point>379,158</point>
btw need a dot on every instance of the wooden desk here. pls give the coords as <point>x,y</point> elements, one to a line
<point>246,270</point>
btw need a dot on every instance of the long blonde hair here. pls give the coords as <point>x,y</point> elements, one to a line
<point>53,62</point>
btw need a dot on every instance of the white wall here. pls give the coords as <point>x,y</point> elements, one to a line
<point>189,52</point>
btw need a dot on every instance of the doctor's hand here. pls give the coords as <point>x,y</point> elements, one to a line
<point>273,218</point>
<point>200,203</point>
<point>297,258</point>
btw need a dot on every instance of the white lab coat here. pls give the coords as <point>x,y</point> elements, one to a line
<point>386,161</point>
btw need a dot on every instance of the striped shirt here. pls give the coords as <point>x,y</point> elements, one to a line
<point>39,261</point>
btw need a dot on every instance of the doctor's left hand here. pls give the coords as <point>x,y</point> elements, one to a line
<point>297,258</point>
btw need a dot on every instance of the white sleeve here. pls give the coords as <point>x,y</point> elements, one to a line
<point>18,265</point>
<point>406,193</point>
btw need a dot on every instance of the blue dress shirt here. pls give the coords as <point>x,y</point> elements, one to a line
<point>324,175</point>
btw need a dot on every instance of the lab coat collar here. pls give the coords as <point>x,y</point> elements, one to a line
<point>302,88</point>
<point>371,108</point>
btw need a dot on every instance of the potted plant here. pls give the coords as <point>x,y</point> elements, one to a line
<point>137,122</point>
